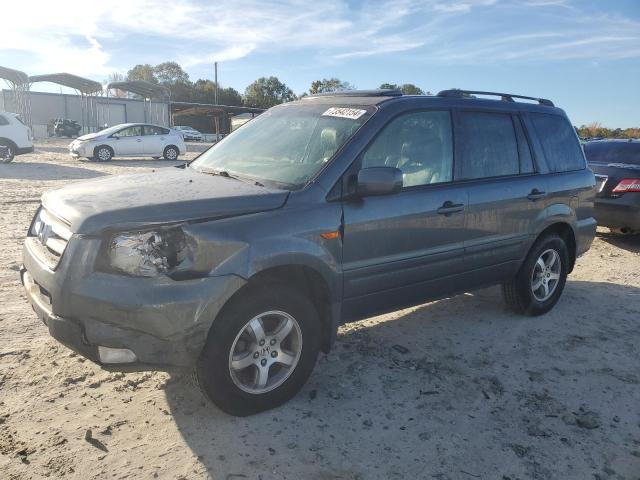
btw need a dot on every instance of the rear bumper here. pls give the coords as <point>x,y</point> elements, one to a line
<point>621,212</point>
<point>23,150</point>
<point>585,232</point>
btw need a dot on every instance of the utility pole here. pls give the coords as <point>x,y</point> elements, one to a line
<point>215,95</point>
<point>215,100</point>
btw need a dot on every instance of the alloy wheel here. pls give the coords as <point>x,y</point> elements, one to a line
<point>265,352</point>
<point>546,275</point>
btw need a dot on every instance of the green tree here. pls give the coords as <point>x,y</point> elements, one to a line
<point>405,88</point>
<point>170,73</point>
<point>204,92</point>
<point>329,85</point>
<point>142,72</point>
<point>267,92</point>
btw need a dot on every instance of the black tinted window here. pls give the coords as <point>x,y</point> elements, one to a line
<point>487,146</point>
<point>419,144</point>
<point>559,142</point>
<point>613,152</point>
<point>153,130</point>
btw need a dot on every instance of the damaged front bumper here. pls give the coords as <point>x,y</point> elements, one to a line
<point>122,322</point>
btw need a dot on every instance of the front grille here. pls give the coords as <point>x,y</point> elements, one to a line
<point>52,234</point>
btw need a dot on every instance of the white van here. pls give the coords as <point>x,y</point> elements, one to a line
<point>15,136</point>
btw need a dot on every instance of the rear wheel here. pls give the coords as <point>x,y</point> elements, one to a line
<point>171,153</point>
<point>537,286</point>
<point>8,153</point>
<point>260,351</point>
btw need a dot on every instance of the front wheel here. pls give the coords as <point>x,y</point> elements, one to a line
<point>260,351</point>
<point>103,153</point>
<point>539,283</point>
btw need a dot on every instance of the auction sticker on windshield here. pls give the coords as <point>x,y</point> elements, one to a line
<point>342,112</point>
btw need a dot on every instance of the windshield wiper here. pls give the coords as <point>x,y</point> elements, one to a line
<point>226,174</point>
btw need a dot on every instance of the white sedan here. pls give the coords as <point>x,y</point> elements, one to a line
<point>129,140</point>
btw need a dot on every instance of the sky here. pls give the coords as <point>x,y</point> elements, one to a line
<point>582,54</point>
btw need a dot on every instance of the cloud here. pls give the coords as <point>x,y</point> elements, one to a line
<point>96,38</point>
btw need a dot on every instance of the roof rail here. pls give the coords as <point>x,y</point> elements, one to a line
<point>505,97</point>
<point>383,92</point>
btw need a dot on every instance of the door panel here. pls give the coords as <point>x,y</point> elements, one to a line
<point>506,199</point>
<point>501,219</point>
<point>393,243</point>
<point>154,140</point>
<point>128,141</point>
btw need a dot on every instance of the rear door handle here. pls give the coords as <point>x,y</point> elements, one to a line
<point>139,140</point>
<point>449,207</point>
<point>536,195</point>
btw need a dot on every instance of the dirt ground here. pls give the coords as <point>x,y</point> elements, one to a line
<point>476,392</point>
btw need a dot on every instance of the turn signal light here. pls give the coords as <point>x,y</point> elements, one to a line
<point>627,185</point>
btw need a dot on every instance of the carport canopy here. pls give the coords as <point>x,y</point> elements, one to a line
<point>209,110</point>
<point>82,85</point>
<point>143,88</point>
<point>15,77</point>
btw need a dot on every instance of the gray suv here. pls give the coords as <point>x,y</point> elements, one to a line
<point>242,264</point>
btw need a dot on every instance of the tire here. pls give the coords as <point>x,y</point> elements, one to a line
<point>10,154</point>
<point>102,153</point>
<point>238,391</point>
<point>521,293</point>
<point>171,152</point>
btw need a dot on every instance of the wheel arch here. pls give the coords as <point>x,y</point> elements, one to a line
<point>565,231</point>
<point>309,281</point>
<point>10,143</point>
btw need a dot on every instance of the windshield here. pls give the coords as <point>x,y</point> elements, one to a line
<point>613,152</point>
<point>110,130</point>
<point>286,145</point>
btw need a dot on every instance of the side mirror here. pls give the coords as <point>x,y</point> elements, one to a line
<point>375,181</point>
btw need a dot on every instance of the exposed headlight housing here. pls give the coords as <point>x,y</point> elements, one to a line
<point>148,254</point>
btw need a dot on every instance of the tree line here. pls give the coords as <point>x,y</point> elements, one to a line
<point>596,130</point>
<point>265,92</point>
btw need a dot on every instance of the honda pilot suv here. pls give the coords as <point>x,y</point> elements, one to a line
<point>242,264</point>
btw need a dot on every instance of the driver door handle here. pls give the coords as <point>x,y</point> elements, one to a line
<point>536,195</point>
<point>449,207</point>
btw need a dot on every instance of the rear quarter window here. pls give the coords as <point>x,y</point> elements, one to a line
<point>559,142</point>
<point>3,121</point>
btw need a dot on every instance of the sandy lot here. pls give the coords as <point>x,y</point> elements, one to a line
<point>480,393</point>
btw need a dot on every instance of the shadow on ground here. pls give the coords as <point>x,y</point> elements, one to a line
<point>480,393</point>
<point>630,243</point>
<point>45,171</point>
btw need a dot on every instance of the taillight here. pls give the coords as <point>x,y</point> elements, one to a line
<point>627,185</point>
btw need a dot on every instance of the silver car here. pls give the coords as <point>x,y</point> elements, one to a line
<point>129,140</point>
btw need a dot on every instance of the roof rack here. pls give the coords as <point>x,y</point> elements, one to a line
<point>384,92</point>
<point>505,97</point>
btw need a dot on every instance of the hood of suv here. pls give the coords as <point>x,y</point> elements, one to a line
<point>164,196</point>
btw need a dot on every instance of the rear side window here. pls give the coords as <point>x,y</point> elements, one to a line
<point>486,146</point>
<point>153,130</point>
<point>559,142</point>
<point>3,120</point>
<point>613,152</point>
